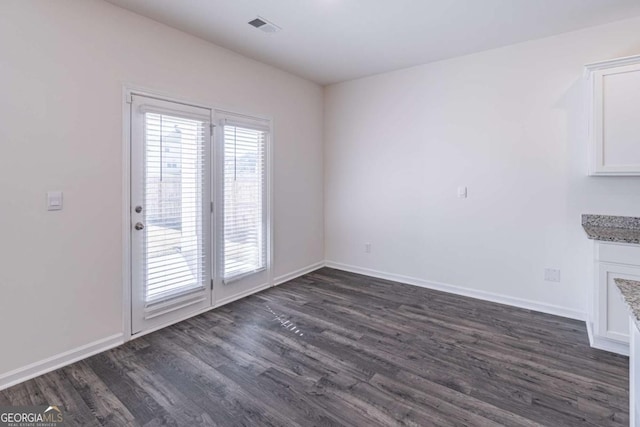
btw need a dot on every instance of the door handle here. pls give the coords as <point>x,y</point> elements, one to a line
<point>139,226</point>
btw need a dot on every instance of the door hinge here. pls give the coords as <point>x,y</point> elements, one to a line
<point>211,207</point>
<point>211,284</point>
<point>211,126</point>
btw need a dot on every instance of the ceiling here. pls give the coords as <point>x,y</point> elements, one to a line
<point>329,41</point>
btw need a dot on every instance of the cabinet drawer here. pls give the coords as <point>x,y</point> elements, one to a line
<point>618,253</point>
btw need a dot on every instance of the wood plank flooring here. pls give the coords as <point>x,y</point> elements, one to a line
<point>336,348</point>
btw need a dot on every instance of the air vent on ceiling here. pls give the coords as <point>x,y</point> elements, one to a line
<point>264,25</point>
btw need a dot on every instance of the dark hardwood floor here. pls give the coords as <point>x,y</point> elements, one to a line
<point>335,348</point>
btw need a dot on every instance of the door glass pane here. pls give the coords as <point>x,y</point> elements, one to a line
<point>174,174</point>
<point>244,249</point>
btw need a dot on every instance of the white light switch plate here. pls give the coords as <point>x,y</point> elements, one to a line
<point>462,192</point>
<point>54,200</point>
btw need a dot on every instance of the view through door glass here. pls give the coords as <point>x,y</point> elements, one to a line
<point>244,219</point>
<point>173,214</point>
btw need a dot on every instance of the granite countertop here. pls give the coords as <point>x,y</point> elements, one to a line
<point>630,290</point>
<point>623,229</point>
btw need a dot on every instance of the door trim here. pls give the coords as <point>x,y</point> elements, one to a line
<point>127,92</point>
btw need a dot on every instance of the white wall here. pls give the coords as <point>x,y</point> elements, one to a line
<point>509,124</point>
<point>62,67</point>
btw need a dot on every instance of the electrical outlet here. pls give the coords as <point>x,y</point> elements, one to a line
<point>367,248</point>
<point>551,275</point>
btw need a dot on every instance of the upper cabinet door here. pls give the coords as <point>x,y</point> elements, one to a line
<point>614,89</point>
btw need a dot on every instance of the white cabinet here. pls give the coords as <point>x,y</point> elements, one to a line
<point>614,127</point>
<point>610,316</point>
<point>613,318</point>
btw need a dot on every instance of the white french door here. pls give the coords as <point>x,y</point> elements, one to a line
<point>171,219</point>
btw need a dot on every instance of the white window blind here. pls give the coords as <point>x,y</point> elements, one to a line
<point>244,208</point>
<point>174,174</point>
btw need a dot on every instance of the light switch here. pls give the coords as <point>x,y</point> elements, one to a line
<point>462,192</point>
<point>54,200</point>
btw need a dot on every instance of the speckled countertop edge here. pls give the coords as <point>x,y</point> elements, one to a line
<point>606,228</point>
<point>609,234</point>
<point>630,290</point>
<point>610,221</point>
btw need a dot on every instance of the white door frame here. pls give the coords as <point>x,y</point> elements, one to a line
<point>132,89</point>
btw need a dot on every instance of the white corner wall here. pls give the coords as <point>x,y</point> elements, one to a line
<point>63,67</point>
<point>509,124</point>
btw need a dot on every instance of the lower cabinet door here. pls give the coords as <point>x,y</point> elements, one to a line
<point>612,314</point>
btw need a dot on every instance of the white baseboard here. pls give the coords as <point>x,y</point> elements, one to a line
<point>589,331</point>
<point>611,346</point>
<point>467,292</point>
<point>606,344</point>
<point>300,272</point>
<point>241,295</point>
<point>276,281</point>
<point>41,367</point>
